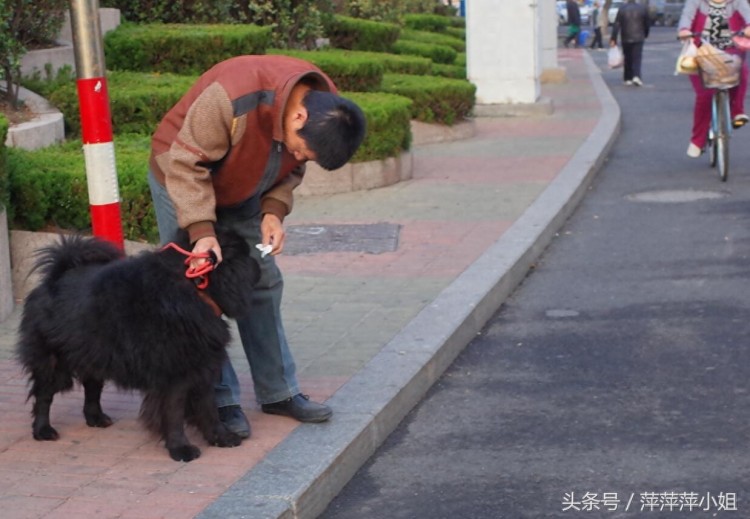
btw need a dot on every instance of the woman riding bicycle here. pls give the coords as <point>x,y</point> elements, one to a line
<point>716,21</point>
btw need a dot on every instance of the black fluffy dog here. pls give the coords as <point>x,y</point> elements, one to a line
<point>140,323</point>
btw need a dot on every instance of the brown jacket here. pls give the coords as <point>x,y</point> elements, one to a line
<point>215,145</point>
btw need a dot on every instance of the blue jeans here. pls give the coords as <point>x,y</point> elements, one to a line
<point>262,332</point>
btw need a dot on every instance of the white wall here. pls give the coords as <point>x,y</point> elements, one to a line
<point>548,33</point>
<point>503,50</point>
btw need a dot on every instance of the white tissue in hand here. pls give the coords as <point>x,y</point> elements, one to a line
<point>264,249</point>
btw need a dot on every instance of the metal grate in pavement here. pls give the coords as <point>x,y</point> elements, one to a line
<point>375,238</point>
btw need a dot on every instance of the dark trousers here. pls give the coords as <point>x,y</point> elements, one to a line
<point>597,38</point>
<point>632,54</point>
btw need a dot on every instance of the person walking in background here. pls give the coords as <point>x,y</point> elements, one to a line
<point>715,21</point>
<point>230,152</point>
<point>574,22</point>
<point>632,25</point>
<point>596,23</point>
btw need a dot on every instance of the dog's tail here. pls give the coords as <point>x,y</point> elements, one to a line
<point>71,252</point>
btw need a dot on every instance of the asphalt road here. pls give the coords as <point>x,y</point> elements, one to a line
<point>614,381</point>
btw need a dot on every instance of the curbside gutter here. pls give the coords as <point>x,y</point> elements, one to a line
<point>294,481</point>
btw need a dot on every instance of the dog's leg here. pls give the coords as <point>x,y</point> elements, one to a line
<point>92,407</point>
<point>49,377</point>
<point>201,410</point>
<point>166,411</point>
<point>41,428</point>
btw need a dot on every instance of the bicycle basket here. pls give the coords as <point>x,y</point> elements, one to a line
<point>718,69</point>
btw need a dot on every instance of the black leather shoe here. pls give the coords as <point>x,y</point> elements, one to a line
<point>301,408</point>
<point>235,420</point>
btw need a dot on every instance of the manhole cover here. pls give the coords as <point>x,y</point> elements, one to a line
<point>675,196</point>
<point>373,238</point>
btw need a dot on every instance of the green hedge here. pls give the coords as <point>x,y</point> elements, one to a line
<point>349,33</point>
<point>433,38</point>
<point>456,32</point>
<point>427,22</point>
<point>181,49</point>
<point>450,71</point>
<point>49,188</point>
<point>388,125</point>
<point>456,70</point>
<point>437,53</point>
<point>360,71</point>
<point>349,70</point>
<point>138,101</point>
<point>436,100</point>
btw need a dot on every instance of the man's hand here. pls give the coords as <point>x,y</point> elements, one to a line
<point>272,233</point>
<point>202,246</point>
<point>683,33</point>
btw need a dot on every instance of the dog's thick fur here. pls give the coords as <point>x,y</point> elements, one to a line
<point>138,322</point>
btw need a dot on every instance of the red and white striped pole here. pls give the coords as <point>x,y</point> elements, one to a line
<point>96,121</point>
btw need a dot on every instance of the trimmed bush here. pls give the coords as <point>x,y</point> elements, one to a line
<point>433,38</point>
<point>456,32</point>
<point>436,100</point>
<point>427,22</point>
<point>401,63</point>
<point>181,49</point>
<point>138,101</point>
<point>388,125</point>
<point>349,33</point>
<point>457,70</point>
<point>449,71</point>
<point>49,188</point>
<point>437,53</point>
<point>354,70</point>
<point>349,70</point>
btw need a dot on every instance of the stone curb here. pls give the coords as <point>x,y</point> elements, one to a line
<point>45,129</point>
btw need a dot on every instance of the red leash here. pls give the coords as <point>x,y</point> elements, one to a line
<point>199,274</point>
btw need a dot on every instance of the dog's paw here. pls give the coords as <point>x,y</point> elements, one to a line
<point>185,453</point>
<point>227,439</point>
<point>46,433</point>
<point>98,420</point>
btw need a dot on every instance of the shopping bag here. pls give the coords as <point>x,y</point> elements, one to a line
<point>686,62</point>
<point>614,57</point>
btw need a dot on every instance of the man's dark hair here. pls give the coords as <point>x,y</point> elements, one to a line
<point>334,129</point>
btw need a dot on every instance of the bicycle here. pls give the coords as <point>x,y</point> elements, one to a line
<point>719,71</point>
<point>719,132</point>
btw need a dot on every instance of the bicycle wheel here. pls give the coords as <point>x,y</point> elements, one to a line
<point>711,145</point>
<point>722,137</point>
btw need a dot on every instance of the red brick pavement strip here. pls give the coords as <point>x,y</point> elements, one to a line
<point>120,471</point>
